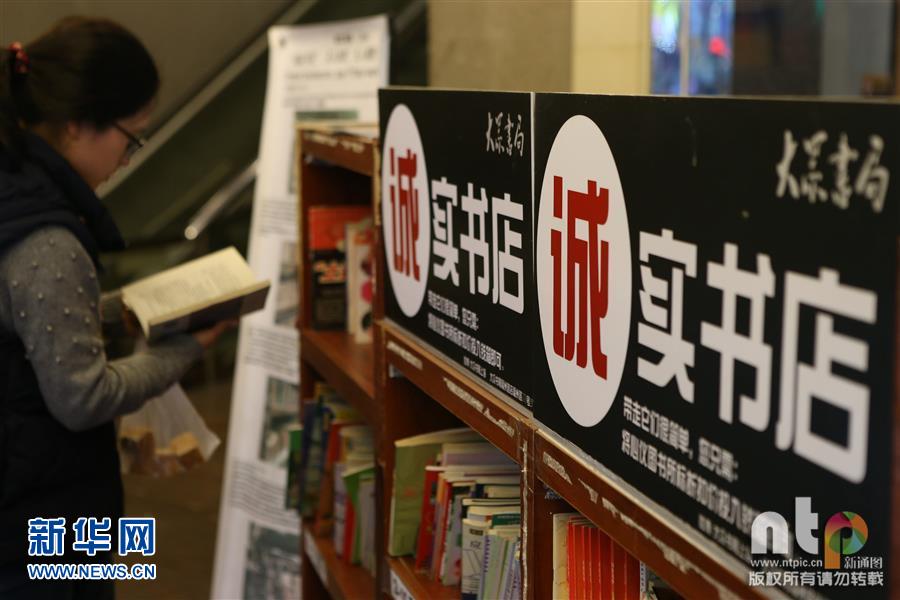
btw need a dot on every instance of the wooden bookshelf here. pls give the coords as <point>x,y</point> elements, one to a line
<point>325,571</point>
<point>404,387</point>
<point>406,582</point>
<point>408,411</point>
<point>539,519</point>
<point>494,417</point>
<point>332,171</point>
<point>334,168</point>
<point>341,148</point>
<point>690,566</point>
<point>346,365</point>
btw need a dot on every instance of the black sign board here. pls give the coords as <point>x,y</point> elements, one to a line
<point>457,221</point>
<point>716,291</point>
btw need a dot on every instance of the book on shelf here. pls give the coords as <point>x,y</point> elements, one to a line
<point>444,548</point>
<point>626,580</point>
<point>349,445</point>
<point>367,523</point>
<point>318,416</point>
<point>497,487</point>
<point>499,543</point>
<point>359,236</point>
<point>326,228</point>
<point>195,295</point>
<point>604,563</point>
<point>309,470</point>
<point>561,557</point>
<point>452,490</point>
<point>339,509</point>
<point>337,473</point>
<point>460,474</point>
<point>295,461</point>
<point>454,499</point>
<point>433,473</point>
<point>352,511</point>
<point>587,563</point>
<point>355,439</point>
<point>411,456</point>
<point>477,521</point>
<point>353,477</point>
<point>472,453</point>
<point>324,511</point>
<point>469,468</point>
<point>510,576</point>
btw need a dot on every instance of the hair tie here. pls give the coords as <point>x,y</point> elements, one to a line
<point>20,60</point>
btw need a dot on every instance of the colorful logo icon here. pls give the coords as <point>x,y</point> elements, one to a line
<point>845,534</point>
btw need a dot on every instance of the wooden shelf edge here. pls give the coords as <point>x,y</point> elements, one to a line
<point>498,422</point>
<point>692,570</point>
<point>406,583</point>
<point>343,581</point>
<point>347,366</point>
<point>345,150</point>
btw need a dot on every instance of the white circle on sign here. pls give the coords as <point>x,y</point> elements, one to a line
<point>405,210</point>
<point>580,155</point>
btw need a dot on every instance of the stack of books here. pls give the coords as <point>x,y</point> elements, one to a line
<point>340,246</point>
<point>588,564</point>
<point>318,416</point>
<point>350,469</point>
<point>491,546</point>
<point>332,476</point>
<point>456,508</point>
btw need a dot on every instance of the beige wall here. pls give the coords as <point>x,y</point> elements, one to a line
<point>611,47</point>
<point>190,39</point>
<point>599,46</point>
<point>500,44</point>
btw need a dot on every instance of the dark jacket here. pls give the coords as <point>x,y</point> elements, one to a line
<point>47,470</point>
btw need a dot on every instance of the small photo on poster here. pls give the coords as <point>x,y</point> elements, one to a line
<point>286,298</point>
<point>273,564</point>
<point>281,412</point>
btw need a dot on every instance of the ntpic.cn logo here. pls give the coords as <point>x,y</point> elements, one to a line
<point>405,211</point>
<point>583,271</point>
<point>845,533</point>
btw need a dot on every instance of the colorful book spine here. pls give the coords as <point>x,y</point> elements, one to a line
<point>327,228</point>
<point>472,558</point>
<point>340,509</point>
<point>426,522</point>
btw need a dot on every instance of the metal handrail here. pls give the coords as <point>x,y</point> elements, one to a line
<point>219,201</point>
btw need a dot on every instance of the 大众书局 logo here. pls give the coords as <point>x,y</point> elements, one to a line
<point>405,210</point>
<point>583,270</point>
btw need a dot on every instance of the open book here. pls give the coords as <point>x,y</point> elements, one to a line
<point>195,295</point>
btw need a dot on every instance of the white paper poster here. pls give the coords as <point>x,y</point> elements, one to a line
<point>327,71</point>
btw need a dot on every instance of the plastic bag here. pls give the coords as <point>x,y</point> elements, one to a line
<point>164,437</point>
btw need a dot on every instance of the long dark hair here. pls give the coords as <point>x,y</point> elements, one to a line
<point>85,70</point>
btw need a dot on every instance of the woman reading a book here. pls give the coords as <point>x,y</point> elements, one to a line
<point>72,106</point>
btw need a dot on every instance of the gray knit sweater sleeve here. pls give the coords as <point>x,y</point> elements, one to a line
<point>51,301</point>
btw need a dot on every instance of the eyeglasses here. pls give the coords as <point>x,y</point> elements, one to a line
<point>134,142</point>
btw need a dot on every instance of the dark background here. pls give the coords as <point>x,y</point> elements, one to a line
<point>728,195</point>
<point>452,126</point>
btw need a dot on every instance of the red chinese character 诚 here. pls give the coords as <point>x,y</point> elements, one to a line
<point>591,257</point>
<point>405,213</point>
